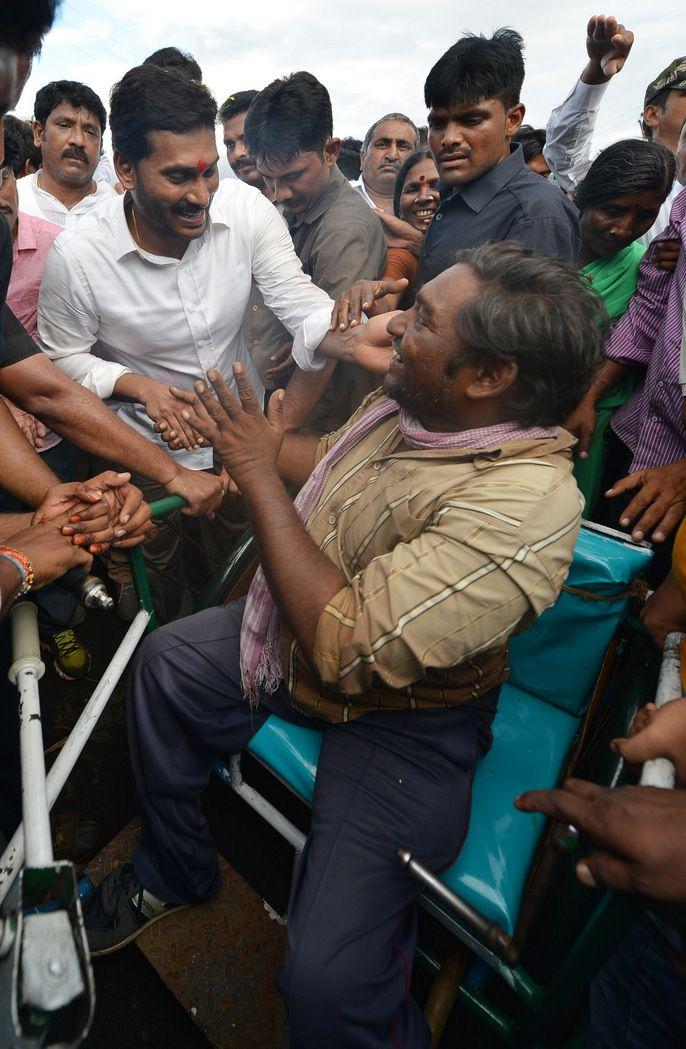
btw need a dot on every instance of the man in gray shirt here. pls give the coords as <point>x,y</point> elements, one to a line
<point>339,240</point>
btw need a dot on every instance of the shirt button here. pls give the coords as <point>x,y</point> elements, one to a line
<point>255,309</point>
<point>654,418</point>
<point>660,383</point>
<point>256,342</point>
<point>377,466</point>
<point>332,519</point>
<point>439,216</point>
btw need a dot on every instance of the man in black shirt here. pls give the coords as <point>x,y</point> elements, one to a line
<point>488,192</point>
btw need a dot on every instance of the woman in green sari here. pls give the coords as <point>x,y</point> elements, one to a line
<point>618,200</point>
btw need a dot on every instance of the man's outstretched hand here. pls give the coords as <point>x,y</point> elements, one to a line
<point>608,44</point>
<point>245,440</point>
<point>659,504</point>
<point>641,832</point>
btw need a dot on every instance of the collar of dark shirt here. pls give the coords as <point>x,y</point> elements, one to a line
<point>480,192</point>
<point>321,204</point>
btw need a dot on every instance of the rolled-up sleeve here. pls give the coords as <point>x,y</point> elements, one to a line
<point>68,325</point>
<point>457,589</point>
<point>632,339</point>
<point>299,304</point>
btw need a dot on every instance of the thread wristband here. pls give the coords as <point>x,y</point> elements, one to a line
<point>23,566</point>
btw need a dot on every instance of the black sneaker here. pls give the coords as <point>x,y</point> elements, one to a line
<point>119,910</point>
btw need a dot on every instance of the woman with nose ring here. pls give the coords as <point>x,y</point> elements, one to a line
<point>618,200</point>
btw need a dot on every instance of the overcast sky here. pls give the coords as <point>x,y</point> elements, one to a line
<point>373,55</point>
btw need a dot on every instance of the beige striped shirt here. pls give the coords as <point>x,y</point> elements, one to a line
<point>446,553</point>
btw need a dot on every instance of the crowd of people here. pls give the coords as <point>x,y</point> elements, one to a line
<point>409,365</point>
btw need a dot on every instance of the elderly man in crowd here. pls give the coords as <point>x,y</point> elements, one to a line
<point>440,519</point>
<point>69,122</point>
<point>386,145</point>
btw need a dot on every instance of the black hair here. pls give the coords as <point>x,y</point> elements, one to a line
<point>237,103</point>
<point>22,135</point>
<point>630,166</point>
<point>80,96</point>
<point>181,62</point>
<point>534,311</point>
<point>349,157</point>
<point>24,24</point>
<point>531,139</point>
<point>477,68</point>
<point>661,102</point>
<point>13,149</point>
<point>290,116</point>
<point>150,99</point>
<point>409,162</point>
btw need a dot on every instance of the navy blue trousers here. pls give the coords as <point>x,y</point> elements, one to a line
<point>638,999</point>
<point>384,781</point>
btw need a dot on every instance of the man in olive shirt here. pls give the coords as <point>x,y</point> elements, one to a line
<point>337,237</point>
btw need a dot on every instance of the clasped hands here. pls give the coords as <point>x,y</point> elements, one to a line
<point>105,511</point>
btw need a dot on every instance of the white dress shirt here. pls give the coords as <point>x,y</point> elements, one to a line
<point>107,307</point>
<point>36,201</point>
<point>359,186</point>
<point>105,170</point>
<point>568,146</point>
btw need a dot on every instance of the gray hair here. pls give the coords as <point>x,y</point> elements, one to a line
<point>537,312</point>
<point>389,116</point>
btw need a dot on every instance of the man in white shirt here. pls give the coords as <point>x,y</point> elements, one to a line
<point>152,291</point>
<point>69,121</point>
<point>571,126</point>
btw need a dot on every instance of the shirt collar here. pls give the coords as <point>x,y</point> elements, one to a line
<point>124,244</point>
<point>321,204</point>
<point>480,192</point>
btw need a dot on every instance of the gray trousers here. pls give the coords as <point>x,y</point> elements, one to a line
<point>386,780</point>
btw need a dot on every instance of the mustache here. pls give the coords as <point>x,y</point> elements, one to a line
<point>75,153</point>
<point>245,162</point>
<point>395,164</point>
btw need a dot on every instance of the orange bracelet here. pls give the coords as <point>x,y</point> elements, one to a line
<point>23,565</point>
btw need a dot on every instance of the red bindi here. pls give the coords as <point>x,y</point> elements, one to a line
<point>201,165</point>
<point>422,178</point>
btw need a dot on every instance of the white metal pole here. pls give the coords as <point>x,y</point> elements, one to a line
<point>13,856</point>
<point>660,772</point>
<point>26,670</point>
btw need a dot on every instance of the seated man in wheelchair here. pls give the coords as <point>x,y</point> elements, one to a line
<point>439,520</point>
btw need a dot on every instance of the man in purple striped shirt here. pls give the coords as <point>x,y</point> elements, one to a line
<point>651,423</point>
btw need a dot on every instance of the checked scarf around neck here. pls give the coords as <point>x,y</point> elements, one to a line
<point>260,641</point>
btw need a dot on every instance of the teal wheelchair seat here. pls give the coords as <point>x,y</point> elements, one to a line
<point>554,667</point>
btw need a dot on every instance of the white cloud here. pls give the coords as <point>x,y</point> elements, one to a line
<point>372,56</point>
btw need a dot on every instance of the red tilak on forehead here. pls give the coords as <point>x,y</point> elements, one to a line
<point>201,165</point>
<point>422,178</point>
